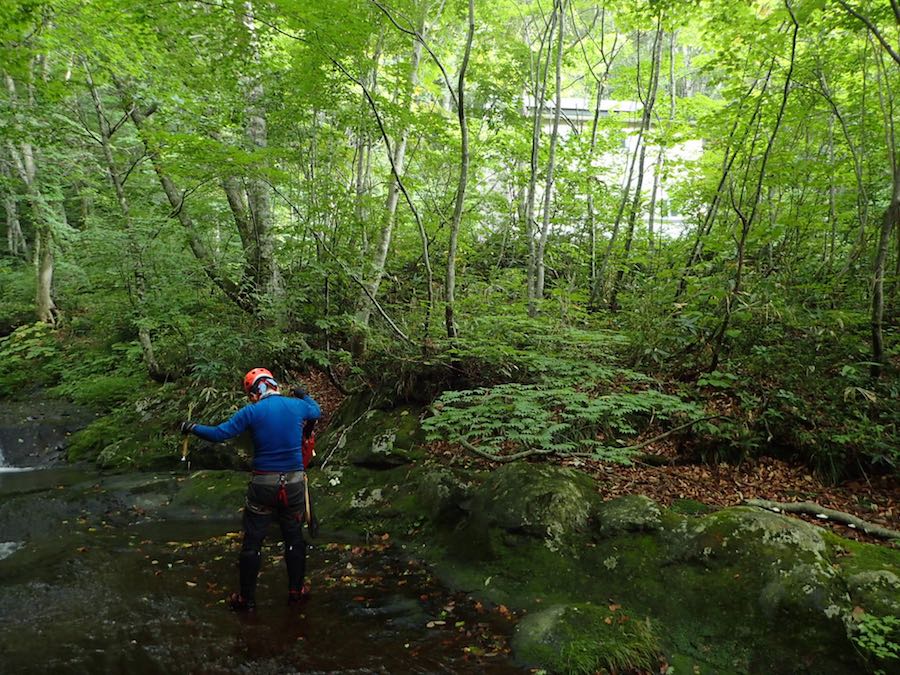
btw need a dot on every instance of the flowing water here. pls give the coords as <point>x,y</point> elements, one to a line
<point>95,578</point>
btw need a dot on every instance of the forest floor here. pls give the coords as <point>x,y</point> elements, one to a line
<point>875,499</point>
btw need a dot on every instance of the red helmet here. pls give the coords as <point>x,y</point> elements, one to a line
<point>253,376</point>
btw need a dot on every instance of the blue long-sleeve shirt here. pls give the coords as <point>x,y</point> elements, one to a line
<point>276,423</point>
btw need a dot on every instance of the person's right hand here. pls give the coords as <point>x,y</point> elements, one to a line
<point>186,427</point>
<point>300,391</point>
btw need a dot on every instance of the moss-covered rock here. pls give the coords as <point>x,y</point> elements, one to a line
<point>585,638</point>
<point>543,502</point>
<point>750,534</point>
<point>632,513</point>
<point>379,439</point>
<point>441,493</point>
<point>877,592</point>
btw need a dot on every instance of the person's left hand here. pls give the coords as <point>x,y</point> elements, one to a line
<point>186,427</point>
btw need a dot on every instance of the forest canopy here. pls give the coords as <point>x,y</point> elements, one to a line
<point>533,206</point>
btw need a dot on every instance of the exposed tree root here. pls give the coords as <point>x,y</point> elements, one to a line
<point>811,509</point>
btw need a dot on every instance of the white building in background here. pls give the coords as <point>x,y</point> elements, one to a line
<point>577,116</point>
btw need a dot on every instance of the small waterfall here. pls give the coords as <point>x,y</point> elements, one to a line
<point>7,548</point>
<point>5,468</point>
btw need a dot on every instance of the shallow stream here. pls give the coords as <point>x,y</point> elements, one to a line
<point>95,576</point>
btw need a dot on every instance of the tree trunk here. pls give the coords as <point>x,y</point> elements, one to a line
<point>180,211</point>
<point>16,244</point>
<point>649,102</point>
<point>385,234</point>
<point>888,223</point>
<point>134,249</point>
<point>540,84</point>
<point>600,81</point>
<point>551,167</point>
<point>450,287</point>
<point>259,201</point>
<point>748,219</point>
<point>24,158</point>
<point>661,156</point>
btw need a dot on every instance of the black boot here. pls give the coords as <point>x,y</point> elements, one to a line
<point>295,558</point>
<point>248,566</point>
<point>238,603</point>
<point>299,596</point>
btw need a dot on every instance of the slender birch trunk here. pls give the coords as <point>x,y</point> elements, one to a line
<point>551,167</point>
<point>450,284</point>
<point>540,85</point>
<point>16,243</point>
<point>385,234</point>
<point>25,160</point>
<point>747,219</point>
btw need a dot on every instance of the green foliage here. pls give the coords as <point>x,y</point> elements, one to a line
<point>562,419</point>
<point>29,358</point>
<point>878,637</point>
<point>16,296</point>
<point>589,639</point>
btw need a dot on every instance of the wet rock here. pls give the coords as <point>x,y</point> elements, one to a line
<point>209,494</point>
<point>34,432</point>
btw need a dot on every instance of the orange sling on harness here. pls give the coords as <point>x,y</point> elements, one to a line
<point>309,449</point>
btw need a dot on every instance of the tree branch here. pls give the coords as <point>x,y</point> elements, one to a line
<point>347,271</point>
<point>872,28</point>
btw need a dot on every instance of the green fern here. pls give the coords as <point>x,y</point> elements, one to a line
<point>560,419</point>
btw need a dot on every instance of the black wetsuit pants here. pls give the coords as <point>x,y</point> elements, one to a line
<point>263,504</point>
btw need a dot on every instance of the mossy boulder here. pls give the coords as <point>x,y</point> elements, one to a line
<point>537,501</point>
<point>441,494</point>
<point>750,534</point>
<point>738,590</point>
<point>378,439</point>
<point>585,638</point>
<point>632,513</point>
<point>876,591</point>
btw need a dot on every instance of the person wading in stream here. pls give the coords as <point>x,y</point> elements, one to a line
<point>279,425</point>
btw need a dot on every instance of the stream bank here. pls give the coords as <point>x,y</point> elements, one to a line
<point>128,573</point>
<point>450,561</point>
<point>731,590</point>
